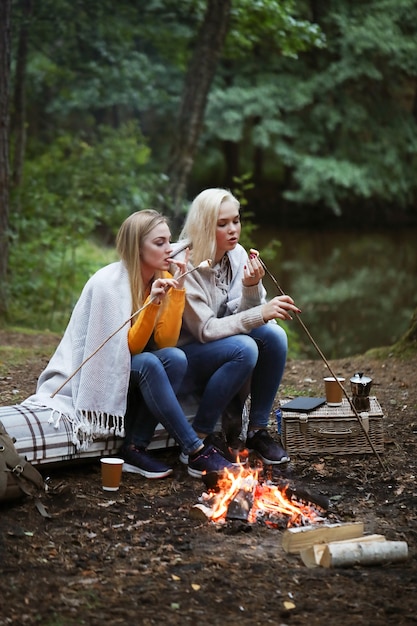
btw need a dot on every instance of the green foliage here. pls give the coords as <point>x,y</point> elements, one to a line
<point>336,125</point>
<point>70,191</point>
<point>241,186</point>
<point>325,179</point>
<point>268,26</point>
<point>48,278</point>
<point>79,184</point>
<point>326,97</point>
<point>328,100</point>
<point>104,63</point>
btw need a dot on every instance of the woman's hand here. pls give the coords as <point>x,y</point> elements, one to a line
<point>181,269</point>
<point>160,288</point>
<point>279,307</point>
<point>253,271</point>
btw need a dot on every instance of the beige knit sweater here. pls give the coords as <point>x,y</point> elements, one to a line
<point>218,305</point>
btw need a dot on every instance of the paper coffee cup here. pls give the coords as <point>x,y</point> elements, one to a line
<point>111,473</point>
<point>334,392</point>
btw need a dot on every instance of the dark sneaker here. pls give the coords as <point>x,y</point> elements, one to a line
<point>208,460</point>
<point>138,461</point>
<point>266,448</point>
<point>184,458</point>
<point>218,441</point>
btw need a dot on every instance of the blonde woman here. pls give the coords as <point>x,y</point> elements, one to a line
<point>229,332</point>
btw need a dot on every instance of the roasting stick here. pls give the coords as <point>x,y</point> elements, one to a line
<point>202,264</point>
<point>329,368</point>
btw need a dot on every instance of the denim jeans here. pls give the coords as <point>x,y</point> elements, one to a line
<point>155,378</point>
<point>219,369</point>
<point>272,344</point>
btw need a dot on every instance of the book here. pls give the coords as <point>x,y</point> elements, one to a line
<point>303,404</point>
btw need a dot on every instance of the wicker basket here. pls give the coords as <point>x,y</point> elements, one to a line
<point>334,430</point>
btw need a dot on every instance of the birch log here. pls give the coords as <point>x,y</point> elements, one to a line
<point>359,552</point>
<point>312,556</point>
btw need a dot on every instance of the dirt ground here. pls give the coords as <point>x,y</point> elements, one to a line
<point>139,557</point>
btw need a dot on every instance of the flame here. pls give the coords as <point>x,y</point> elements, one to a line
<point>262,500</point>
<point>229,485</point>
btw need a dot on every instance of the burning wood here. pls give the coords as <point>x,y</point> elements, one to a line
<point>240,506</point>
<point>243,496</point>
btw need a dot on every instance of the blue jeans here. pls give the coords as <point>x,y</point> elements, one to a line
<point>219,369</point>
<point>155,378</point>
<point>272,344</point>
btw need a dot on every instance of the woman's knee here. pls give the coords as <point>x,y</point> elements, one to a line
<point>174,359</point>
<point>146,362</point>
<point>170,362</point>
<point>271,336</point>
<point>174,355</point>
<point>245,348</point>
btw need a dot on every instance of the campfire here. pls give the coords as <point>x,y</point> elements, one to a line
<point>247,496</point>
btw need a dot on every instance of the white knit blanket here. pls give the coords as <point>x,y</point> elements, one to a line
<point>94,400</point>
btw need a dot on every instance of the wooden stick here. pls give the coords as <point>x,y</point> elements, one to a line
<point>203,264</point>
<point>330,370</point>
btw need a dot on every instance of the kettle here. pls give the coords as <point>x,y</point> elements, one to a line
<point>360,384</point>
<point>361,387</point>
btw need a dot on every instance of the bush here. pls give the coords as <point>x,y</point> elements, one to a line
<point>72,191</point>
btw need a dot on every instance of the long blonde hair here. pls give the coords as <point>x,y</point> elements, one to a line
<point>129,242</point>
<point>201,222</point>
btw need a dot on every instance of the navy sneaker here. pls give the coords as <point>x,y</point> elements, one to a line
<point>266,448</point>
<point>138,461</point>
<point>218,441</point>
<point>207,460</point>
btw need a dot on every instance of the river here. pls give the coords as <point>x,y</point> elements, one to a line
<point>356,290</point>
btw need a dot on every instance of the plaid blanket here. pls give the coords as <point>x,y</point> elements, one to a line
<point>42,441</point>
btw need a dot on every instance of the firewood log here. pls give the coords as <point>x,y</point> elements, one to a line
<point>313,555</point>
<point>363,553</point>
<point>296,539</point>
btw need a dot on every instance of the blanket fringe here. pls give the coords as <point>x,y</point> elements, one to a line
<point>87,425</point>
<point>90,425</point>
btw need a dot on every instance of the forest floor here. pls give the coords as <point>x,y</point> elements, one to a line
<point>139,557</point>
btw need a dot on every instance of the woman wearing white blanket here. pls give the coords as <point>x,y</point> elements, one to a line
<point>229,332</point>
<point>131,380</point>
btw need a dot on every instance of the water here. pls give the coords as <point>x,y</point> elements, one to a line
<point>356,290</point>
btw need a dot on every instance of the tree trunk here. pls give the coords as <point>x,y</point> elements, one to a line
<point>18,120</point>
<point>409,339</point>
<point>200,74</point>
<point>5,11</point>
